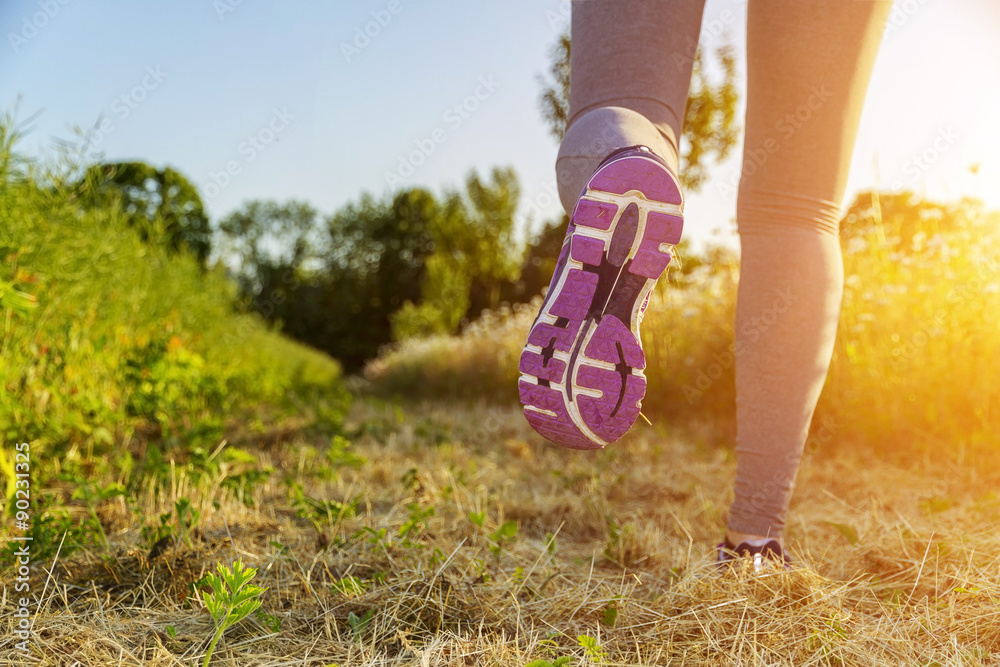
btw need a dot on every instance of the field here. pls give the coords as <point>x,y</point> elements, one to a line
<point>411,517</point>
<point>607,561</point>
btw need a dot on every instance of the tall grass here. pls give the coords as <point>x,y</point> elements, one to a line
<point>105,334</point>
<point>914,369</point>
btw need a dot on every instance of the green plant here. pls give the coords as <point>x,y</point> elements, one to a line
<point>187,518</point>
<point>154,534</point>
<point>270,621</point>
<point>558,662</point>
<point>416,522</point>
<point>609,615</point>
<point>93,495</point>
<point>551,547</point>
<point>338,455</point>
<point>359,624</point>
<point>15,300</point>
<point>501,537</point>
<point>233,598</point>
<point>593,650</point>
<point>349,586</point>
<point>52,531</point>
<point>317,511</point>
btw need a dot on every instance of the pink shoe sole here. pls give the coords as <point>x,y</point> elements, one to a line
<point>582,379</point>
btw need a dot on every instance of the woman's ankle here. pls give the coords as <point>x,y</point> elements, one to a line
<point>735,537</point>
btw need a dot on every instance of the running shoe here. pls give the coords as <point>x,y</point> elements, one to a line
<point>582,379</point>
<point>765,556</point>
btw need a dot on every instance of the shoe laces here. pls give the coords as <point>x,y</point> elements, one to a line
<point>763,556</point>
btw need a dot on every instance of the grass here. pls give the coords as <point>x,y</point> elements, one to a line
<point>112,339</point>
<point>172,436</point>
<point>913,370</point>
<point>613,547</point>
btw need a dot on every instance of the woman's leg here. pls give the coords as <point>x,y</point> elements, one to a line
<point>809,64</point>
<point>631,66</point>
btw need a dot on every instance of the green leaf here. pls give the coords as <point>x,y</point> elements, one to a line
<point>845,529</point>
<point>215,583</point>
<point>505,533</point>
<point>16,300</point>
<point>272,622</point>
<point>349,586</point>
<point>243,609</point>
<point>609,616</point>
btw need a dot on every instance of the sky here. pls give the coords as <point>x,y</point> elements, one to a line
<point>321,101</point>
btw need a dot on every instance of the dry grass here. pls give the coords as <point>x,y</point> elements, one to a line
<point>634,531</point>
<point>913,369</point>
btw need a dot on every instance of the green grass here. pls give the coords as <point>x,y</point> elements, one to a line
<point>115,353</point>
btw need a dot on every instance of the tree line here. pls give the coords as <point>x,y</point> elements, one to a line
<point>409,264</point>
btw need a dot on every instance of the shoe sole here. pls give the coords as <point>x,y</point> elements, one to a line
<point>582,379</point>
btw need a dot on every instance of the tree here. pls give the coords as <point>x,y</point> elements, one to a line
<point>486,240</point>
<point>710,128</point>
<point>162,203</point>
<point>474,256</point>
<point>266,237</point>
<point>377,262</point>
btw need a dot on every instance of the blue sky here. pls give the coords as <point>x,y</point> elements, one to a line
<point>261,99</point>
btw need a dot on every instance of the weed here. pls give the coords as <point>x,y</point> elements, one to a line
<point>416,521</point>
<point>558,662</point>
<point>93,495</point>
<point>187,519</point>
<point>233,598</point>
<point>501,537</point>
<point>359,624</point>
<point>349,586</point>
<point>591,649</point>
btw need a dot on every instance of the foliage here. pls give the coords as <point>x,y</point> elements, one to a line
<point>161,203</point>
<point>232,599</point>
<point>909,370</point>
<point>375,271</point>
<point>122,356</point>
<point>267,244</point>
